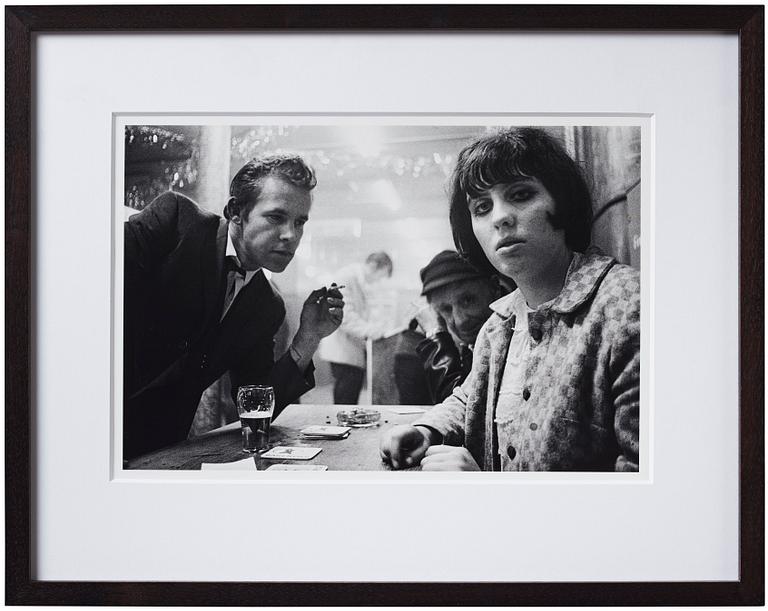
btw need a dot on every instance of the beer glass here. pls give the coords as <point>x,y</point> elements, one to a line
<point>255,405</point>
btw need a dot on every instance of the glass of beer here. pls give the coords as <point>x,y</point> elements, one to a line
<point>255,405</point>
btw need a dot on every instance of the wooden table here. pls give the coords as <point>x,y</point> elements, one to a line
<point>358,452</point>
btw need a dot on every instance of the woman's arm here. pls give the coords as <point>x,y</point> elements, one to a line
<point>625,371</point>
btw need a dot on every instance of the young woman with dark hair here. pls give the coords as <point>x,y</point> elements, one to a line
<point>555,381</point>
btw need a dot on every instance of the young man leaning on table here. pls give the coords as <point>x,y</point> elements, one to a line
<point>197,303</point>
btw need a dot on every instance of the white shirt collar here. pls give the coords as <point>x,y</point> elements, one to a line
<point>231,252</point>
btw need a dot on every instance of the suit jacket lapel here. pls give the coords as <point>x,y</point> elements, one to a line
<point>248,307</point>
<point>247,297</point>
<point>213,254</point>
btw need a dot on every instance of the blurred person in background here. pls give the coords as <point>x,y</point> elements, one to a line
<point>345,349</point>
<point>555,380</point>
<point>197,303</point>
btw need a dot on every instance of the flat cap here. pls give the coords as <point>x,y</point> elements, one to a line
<point>444,268</point>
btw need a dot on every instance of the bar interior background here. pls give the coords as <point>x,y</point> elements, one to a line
<point>380,187</point>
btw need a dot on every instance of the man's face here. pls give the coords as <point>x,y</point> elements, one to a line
<point>511,223</point>
<point>269,234</point>
<point>464,306</point>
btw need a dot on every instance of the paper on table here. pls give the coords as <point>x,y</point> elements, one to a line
<point>247,464</point>
<point>324,431</point>
<point>292,453</point>
<point>407,410</point>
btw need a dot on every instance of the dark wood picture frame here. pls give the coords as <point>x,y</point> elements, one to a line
<point>22,22</point>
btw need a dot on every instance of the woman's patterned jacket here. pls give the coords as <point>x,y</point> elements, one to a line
<point>581,407</point>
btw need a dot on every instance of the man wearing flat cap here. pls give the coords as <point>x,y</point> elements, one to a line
<point>458,296</point>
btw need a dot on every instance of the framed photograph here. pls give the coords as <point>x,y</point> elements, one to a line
<point>347,172</point>
<point>377,228</point>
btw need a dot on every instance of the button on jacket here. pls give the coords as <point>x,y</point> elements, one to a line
<point>582,379</point>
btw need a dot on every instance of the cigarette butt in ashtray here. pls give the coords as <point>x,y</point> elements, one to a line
<point>330,288</point>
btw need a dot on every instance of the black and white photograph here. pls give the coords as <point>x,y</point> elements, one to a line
<point>381,294</point>
<point>461,305</point>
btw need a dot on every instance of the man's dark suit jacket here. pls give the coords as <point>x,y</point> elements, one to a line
<point>175,346</point>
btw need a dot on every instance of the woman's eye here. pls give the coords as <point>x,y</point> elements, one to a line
<point>480,207</point>
<point>519,195</point>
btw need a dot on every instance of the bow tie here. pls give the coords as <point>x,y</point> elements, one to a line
<point>231,265</point>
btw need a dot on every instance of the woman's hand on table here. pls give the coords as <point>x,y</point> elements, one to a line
<point>404,445</point>
<point>448,458</point>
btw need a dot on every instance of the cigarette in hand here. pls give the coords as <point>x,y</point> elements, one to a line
<point>330,288</point>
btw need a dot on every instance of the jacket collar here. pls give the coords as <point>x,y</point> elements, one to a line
<point>580,284</point>
<point>212,262</point>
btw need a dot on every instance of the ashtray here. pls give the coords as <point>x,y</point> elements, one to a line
<point>359,418</point>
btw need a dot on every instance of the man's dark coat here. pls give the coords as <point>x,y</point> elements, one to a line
<point>175,346</point>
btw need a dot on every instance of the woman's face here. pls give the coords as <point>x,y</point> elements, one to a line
<point>510,221</point>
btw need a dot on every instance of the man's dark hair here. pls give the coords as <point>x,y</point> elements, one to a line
<point>380,260</point>
<point>245,188</point>
<point>504,157</point>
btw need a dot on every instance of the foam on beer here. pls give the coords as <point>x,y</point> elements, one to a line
<point>256,415</point>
